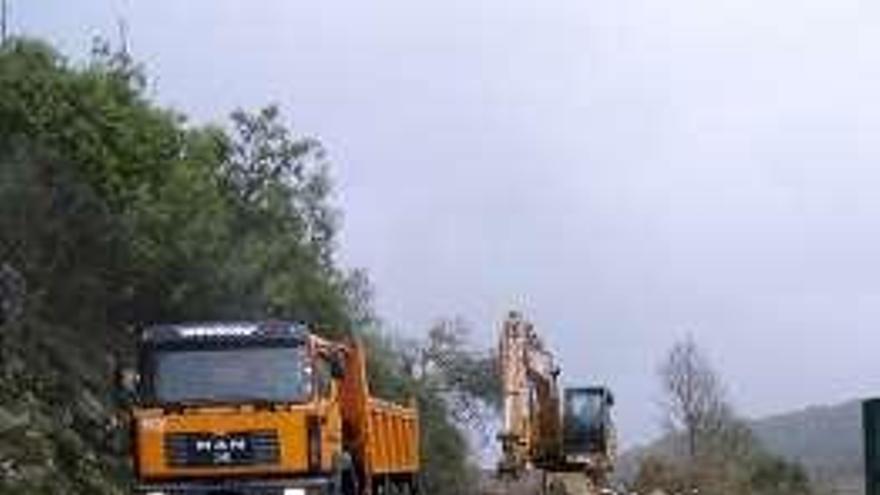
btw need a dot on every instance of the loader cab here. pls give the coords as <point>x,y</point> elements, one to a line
<point>586,420</point>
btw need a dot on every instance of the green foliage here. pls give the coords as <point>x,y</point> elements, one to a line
<point>458,383</point>
<point>56,232</point>
<point>658,473</point>
<point>473,374</point>
<point>386,374</point>
<point>96,117</point>
<point>757,473</point>
<point>455,389</point>
<point>774,476</point>
<point>444,448</point>
<point>115,212</point>
<point>201,223</point>
<point>709,449</point>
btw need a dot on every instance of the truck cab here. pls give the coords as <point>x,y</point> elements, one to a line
<point>247,408</point>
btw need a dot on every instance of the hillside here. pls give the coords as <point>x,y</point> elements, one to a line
<point>826,440</point>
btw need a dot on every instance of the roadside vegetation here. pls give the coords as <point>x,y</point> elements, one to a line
<point>708,448</point>
<point>116,212</point>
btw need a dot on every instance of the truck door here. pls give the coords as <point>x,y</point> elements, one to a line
<point>330,416</point>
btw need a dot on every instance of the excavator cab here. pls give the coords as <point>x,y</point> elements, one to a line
<point>586,420</point>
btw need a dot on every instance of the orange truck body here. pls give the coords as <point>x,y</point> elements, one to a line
<point>336,439</point>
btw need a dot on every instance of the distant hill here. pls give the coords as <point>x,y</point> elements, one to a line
<point>826,440</point>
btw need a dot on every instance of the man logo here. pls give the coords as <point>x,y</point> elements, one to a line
<point>221,445</point>
<point>207,449</point>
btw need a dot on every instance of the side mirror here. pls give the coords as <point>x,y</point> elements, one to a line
<point>126,386</point>
<point>337,366</point>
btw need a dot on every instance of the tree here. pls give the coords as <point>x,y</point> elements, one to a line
<point>723,456</point>
<point>116,212</point>
<point>468,378</point>
<point>694,400</point>
<point>457,390</point>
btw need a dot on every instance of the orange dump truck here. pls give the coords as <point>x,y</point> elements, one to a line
<point>264,409</point>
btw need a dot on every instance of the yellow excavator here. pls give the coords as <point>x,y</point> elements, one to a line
<point>568,439</point>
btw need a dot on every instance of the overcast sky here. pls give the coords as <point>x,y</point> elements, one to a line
<point>626,172</point>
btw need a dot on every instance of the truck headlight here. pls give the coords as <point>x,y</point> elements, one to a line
<point>294,491</point>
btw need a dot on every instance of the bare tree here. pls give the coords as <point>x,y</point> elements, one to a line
<point>723,454</point>
<point>694,397</point>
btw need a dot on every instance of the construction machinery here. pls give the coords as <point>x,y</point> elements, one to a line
<point>264,408</point>
<point>568,438</point>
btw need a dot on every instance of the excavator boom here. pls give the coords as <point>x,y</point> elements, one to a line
<point>531,422</point>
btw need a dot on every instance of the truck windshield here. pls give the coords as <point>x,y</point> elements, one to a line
<point>276,374</point>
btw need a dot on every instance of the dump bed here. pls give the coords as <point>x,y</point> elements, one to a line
<point>393,438</point>
<point>383,435</point>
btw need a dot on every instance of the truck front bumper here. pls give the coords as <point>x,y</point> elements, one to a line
<point>295,486</point>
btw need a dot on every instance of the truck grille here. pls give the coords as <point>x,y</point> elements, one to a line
<point>232,449</point>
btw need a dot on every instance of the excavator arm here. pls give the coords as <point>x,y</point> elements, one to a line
<point>531,423</point>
